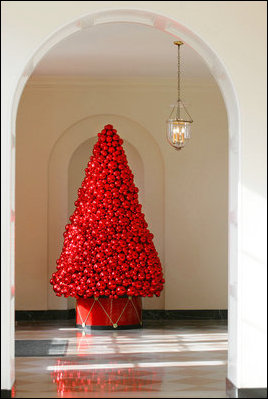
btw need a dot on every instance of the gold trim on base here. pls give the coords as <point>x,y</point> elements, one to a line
<point>114,324</point>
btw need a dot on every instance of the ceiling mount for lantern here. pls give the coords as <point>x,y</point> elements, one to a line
<point>179,121</point>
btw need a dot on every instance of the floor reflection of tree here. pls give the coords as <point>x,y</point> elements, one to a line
<point>103,380</point>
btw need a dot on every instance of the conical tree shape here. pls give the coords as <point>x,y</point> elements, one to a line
<point>108,249</point>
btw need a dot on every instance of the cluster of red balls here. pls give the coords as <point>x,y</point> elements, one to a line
<point>108,249</point>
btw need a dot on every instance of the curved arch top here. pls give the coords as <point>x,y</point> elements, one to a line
<point>158,21</point>
<point>98,121</point>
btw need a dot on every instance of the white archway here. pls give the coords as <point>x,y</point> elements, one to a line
<point>222,78</point>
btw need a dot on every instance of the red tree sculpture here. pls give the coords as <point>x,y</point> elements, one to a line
<point>108,249</point>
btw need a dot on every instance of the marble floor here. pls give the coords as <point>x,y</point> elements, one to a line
<point>164,359</point>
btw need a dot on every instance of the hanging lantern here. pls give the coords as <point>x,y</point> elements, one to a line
<point>179,121</point>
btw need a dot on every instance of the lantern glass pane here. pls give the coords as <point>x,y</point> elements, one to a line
<point>178,133</point>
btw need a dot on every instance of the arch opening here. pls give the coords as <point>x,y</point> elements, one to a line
<point>216,67</point>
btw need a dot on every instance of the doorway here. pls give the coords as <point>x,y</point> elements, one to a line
<point>225,90</point>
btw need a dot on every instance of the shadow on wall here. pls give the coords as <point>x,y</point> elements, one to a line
<point>71,153</point>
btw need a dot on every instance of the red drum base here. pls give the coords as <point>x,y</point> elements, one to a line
<point>105,313</point>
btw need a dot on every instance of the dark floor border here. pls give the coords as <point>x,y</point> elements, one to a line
<point>36,315</point>
<point>233,392</point>
<point>212,314</point>
<point>5,393</point>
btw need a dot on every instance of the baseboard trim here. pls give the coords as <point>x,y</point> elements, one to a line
<point>233,392</point>
<point>155,314</point>
<point>5,393</point>
<point>191,314</point>
<point>36,315</point>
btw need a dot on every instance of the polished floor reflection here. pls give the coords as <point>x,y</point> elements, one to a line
<point>165,359</point>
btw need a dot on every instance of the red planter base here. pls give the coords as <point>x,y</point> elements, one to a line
<point>105,313</point>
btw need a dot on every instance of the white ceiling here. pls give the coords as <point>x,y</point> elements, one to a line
<point>121,50</point>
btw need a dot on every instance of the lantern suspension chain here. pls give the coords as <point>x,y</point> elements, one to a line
<point>179,43</point>
<point>179,83</point>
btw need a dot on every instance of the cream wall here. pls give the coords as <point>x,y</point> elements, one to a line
<point>219,36</point>
<point>192,195</point>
